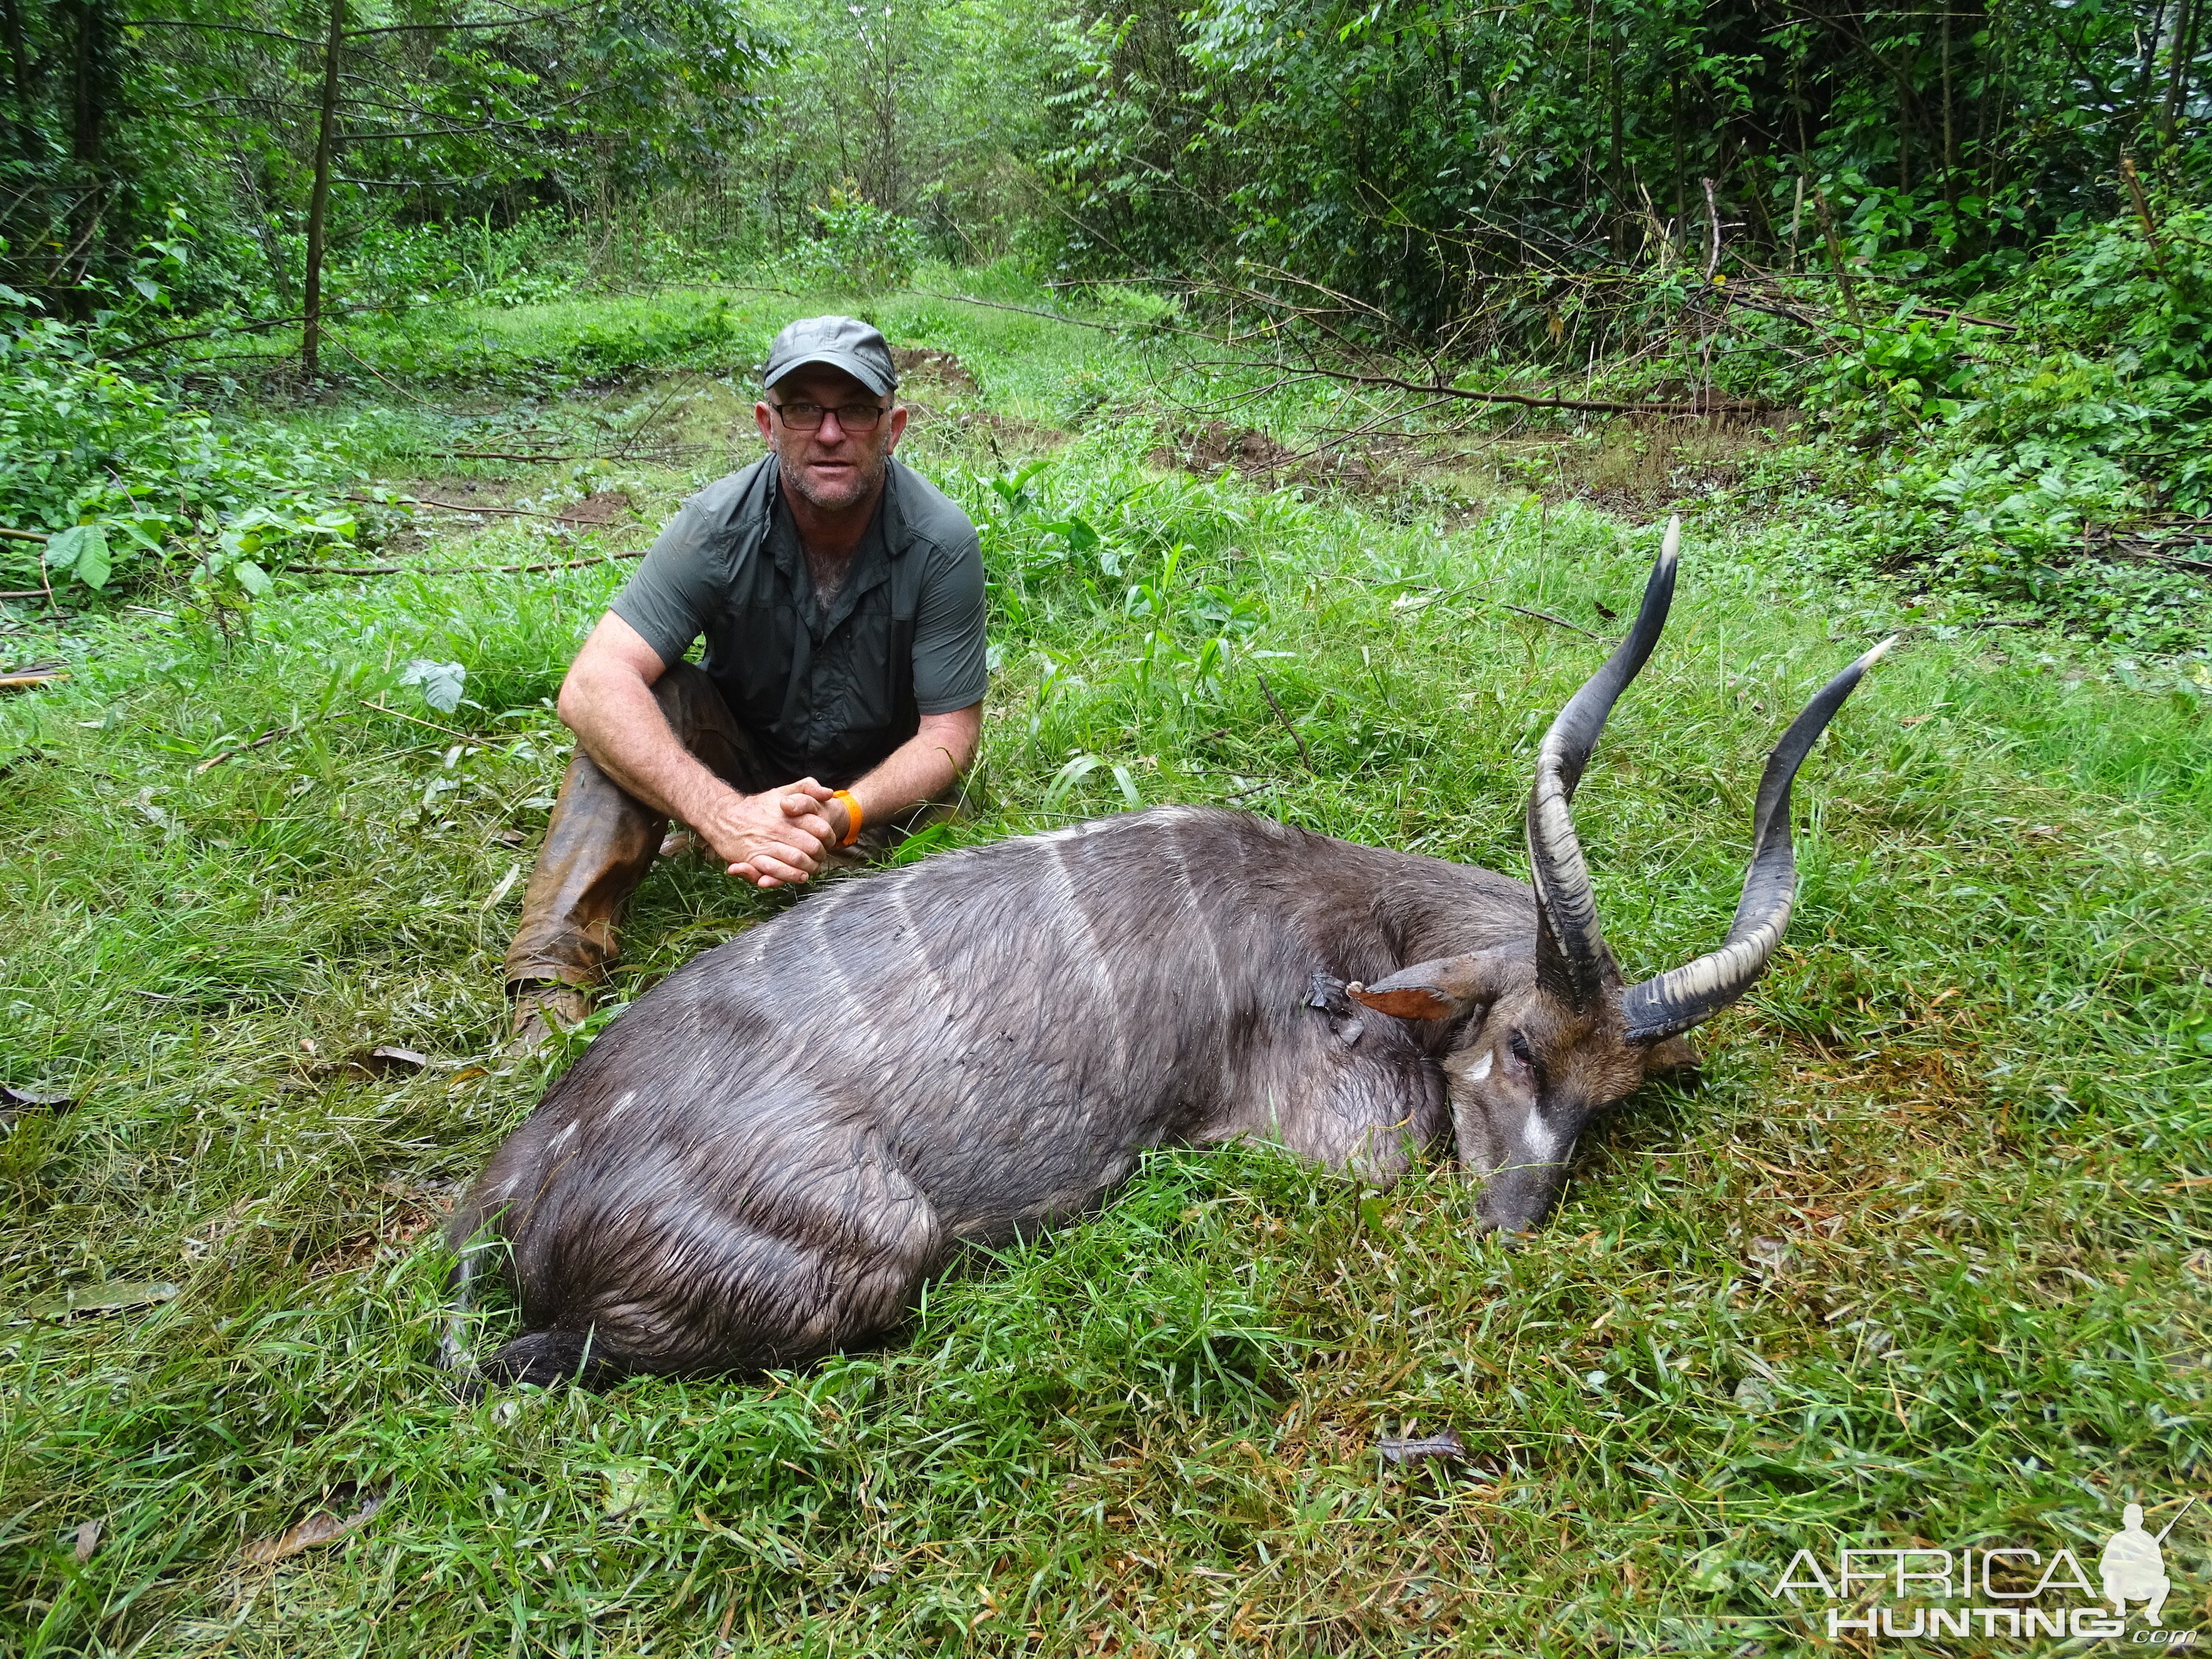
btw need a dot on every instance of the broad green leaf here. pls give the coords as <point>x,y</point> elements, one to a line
<point>441,682</point>
<point>1081,538</point>
<point>81,549</point>
<point>252,577</point>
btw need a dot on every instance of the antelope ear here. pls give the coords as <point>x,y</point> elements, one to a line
<point>1669,1057</point>
<point>1441,989</point>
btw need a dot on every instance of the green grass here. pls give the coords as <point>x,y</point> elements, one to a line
<point>1966,1110</point>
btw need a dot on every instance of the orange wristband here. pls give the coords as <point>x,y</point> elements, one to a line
<point>852,816</point>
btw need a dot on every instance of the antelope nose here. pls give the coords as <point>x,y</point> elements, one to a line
<point>1520,1198</point>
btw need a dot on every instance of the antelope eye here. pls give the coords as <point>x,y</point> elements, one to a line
<point>1518,1045</point>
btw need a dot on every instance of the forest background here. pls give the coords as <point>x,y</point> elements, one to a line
<point>1968,245</point>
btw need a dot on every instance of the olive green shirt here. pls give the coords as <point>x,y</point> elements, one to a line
<point>826,693</point>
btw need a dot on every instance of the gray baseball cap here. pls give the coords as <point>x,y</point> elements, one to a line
<point>845,342</point>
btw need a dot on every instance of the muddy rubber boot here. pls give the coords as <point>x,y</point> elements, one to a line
<point>540,1010</point>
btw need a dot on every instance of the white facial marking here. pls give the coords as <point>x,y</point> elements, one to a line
<point>1481,1067</point>
<point>1542,1141</point>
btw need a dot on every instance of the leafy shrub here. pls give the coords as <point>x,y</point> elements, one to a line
<point>511,265</point>
<point>2002,462</point>
<point>702,338</point>
<point>111,467</point>
<point>858,247</point>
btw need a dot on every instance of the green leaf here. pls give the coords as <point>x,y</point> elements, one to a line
<point>1068,777</point>
<point>252,577</point>
<point>441,682</point>
<point>81,549</point>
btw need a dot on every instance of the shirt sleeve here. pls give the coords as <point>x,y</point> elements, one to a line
<point>673,596</point>
<point>951,667</point>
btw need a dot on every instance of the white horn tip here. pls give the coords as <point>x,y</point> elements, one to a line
<point>1672,546</point>
<point>1876,655</point>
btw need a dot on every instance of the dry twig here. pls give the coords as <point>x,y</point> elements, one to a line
<point>462,569</point>
<point>1270,695</point>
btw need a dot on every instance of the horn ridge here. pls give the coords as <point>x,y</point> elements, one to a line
<point>1564,894</point>
<point>1670,1003</point>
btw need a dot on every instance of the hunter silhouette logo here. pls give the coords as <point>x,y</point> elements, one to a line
<point>2134,1566</point>
<point>1903,1594</point>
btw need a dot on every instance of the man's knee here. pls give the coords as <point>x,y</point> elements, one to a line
<point>686,695</point>
<point>693,705</point>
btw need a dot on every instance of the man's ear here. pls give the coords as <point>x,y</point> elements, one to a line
<point>1438,989</point>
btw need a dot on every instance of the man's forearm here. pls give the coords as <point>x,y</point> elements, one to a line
<point>620,726</point>
<point>923,767</point>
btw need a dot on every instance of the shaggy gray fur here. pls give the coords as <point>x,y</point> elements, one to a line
<point>764,1158</point>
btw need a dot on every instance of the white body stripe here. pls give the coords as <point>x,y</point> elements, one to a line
<point>1093,953</point>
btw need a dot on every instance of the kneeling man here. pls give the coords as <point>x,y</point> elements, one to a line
<point>841,693</point>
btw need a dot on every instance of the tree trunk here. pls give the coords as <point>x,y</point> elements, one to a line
<point>1615,171</point>
<point>1985,102</point>
<point>1836,258</point>
<point>1682,161</point>
<point>19,72</point>
<point>319,199</point>
<point>2179,56</point>
<point>1950,137</point>
<point>2146,92</point>
<point>91,88</point>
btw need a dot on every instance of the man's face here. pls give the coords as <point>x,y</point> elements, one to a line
<point>833,467</point>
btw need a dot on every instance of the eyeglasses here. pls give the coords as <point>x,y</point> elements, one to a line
<point>803,417</point>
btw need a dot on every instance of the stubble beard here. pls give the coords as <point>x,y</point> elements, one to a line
<point>866,475</point>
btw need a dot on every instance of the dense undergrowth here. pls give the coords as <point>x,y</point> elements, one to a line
<point>1923,1259</point>
<point>2040,451</point>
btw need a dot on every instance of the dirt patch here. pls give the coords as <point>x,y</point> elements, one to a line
<point>1206,450</point>
<point>469,492</point>
<point>1007,435</point>
<point>599,509</point>
<point>937,368</point>
<point>1631,465</point>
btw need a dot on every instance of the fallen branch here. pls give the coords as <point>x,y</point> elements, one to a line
<point>1920,307</point>
<point>2149,555</point>
<point>32,680</point>
<point>257,326</point>
<point>461,569</point>
<point>457,506</point>
<point>1285,720</point>
<point>1545,616</point>
<point>1525,399</point>
<point>21,535</point>
<point>265,739</point>
<point>501,455</point>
